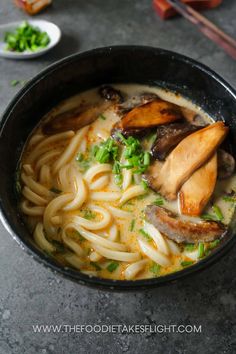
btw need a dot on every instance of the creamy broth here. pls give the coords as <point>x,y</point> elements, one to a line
<point>84,218</point>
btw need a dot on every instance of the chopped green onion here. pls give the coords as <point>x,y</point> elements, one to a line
<point>26,37</point>
<point>102,117</point>
<point>89,214</point>
<point>155,268</point>
<point>55,190</point>
<point>144,184</point>
<point>186,263</point>
<point>58,245</point>
<point>145,234</point>
<point>132,225</point>
<point>189,247</point>
<point>218,216</point>
<point>112,266</point>
<point>213,244</point>
<point>15,82</point>
<point>218,212</point>
<point>159,201</point>
<point>118,179</point>
<point>201,249</point>
<point>229,199</point>
<point>107,151</point>
<point>95,265</point>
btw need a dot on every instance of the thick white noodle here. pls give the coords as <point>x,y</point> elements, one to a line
<point>133,269</point>
<point>31,210</point>
<point>95,256</point>
<point>157,238</point>
<point>64,179</point>
<point>36,187</point>
<point>95,239</point>
<point>28,169</point>
<point>173,247</point>
<point>132,192</point>
<point>70,150</point>
<point>46,158</point>
<point>127,178</point>
<point>73,245</point>
<point>105,196</point>
<point>100,183</point>
<point>116,255</point>
<point>56,220</point>
<point>51,210</point>
<point>33,197</point>
<point>191,254</point>
<point>40,239</point>
<point>81,191</point>
<point>118,213</point>
<point>45,176</point>
<point>74,260</point>
<point>154,254</point>
<point>35,139</point>
<point>94,225</point>
<point>95,170</point>
<point>113,233</point>
<point>46,144</point>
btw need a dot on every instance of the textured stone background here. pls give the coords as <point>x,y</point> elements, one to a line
<point>31,294</point>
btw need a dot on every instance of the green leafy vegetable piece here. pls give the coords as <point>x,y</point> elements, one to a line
<point>189,247</point>
<point>89,214</point>
<point>107,151</point>
<point>229,199</point>
<point>155,268</point>
<point>55,190</point>
<point>159,201</point>
<point>145,234</point>
<point>186,263</point>
<point>95,265</point>
<point>132,225</point>
<point>217,216</point>
<point>112,266</point>
<point>201,250</point>
<point>213,244</point>
<point>14,82</point>
<point>102,117</point>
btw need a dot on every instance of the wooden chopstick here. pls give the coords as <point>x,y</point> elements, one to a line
<point>208,28</point>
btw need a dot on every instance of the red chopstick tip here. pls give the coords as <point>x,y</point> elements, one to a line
<point>165,10</point>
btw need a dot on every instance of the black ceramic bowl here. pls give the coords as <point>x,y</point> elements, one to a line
<point>122,64</point>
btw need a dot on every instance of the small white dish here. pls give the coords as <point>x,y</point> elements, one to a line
<point>52,30</point>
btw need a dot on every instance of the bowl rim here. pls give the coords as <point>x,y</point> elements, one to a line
<point>75,275</point>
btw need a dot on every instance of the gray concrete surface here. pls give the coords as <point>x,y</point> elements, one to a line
<point>31,294</point>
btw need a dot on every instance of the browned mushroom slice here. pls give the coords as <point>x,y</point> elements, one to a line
<point>168,137</point>
<point>151,114</point>
<point>139,133</point>
<point>151,175</point>
<point>197,190</point>
<point>111,94</point>
<point>190,154</point>
<point>137,100</point>
<point>193,117</point>
<point>76,118</point>
<point>226,164</point>
<point>180,230</point>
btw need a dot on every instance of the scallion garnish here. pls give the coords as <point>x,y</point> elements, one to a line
<point>112,266</point>
<point>217,216</point>
<point>145,234</point>
<point>155,268</point>
<point>132,225</point>
<point>186,263</point>
<point>189,247</point>
<point>55,190</point>
<point>201,249</point>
